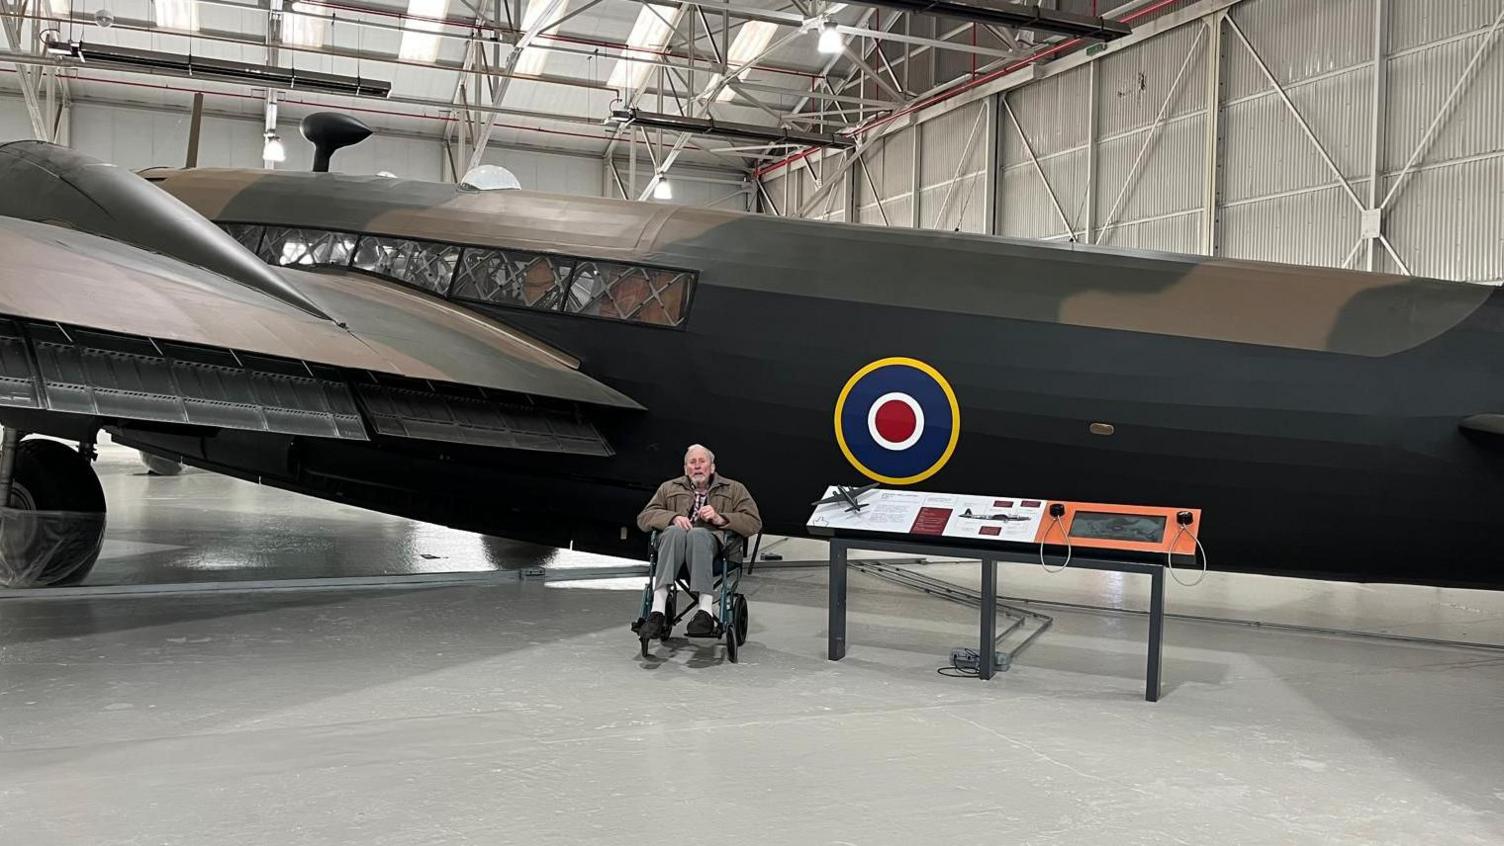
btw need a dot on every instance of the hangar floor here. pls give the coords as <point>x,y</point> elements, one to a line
<point>519,711</point>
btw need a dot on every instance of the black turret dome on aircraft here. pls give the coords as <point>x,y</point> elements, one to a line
<point>329,132</point>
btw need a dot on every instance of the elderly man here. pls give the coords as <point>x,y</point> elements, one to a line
<point>696,516</point>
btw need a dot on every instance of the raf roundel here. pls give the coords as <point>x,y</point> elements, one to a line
<point>897,421</point>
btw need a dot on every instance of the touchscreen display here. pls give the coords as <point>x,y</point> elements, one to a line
<point>1139,528</point>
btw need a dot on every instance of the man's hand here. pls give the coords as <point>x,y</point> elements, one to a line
<point>682,522</point>
<point>708,515</point>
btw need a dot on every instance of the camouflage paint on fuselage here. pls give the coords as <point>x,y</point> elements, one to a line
<point>1312,413</point>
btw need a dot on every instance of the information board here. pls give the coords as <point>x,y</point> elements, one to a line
<point>1012,519</point>
<point>995,518</point>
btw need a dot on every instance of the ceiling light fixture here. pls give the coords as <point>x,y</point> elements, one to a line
<point>830,38</point>
<point>273,151</point>
<point>663,190</point>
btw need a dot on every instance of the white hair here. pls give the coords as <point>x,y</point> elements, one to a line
<point>702,448</point>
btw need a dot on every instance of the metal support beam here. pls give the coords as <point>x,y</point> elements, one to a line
<point>1212,147</point>
<point>993,189</point>
<point>1442,113</point>
<point>761,189</point>
<point>917,148</point>
<point>702,107</point>
<point>852,157</point>
<point>867,174</point>
<point>1093,90</point>
<point>13,16</point>
<point>867,70</point>
<point>955,180</point>
<point>499,91</point>
<point>1305,127</point>
<point>1048,189</point>
<point>1376,129</point>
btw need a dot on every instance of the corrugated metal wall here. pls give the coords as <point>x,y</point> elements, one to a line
<point>885,181</point>
<point>1279,198</point>
<point>1051,122</point>
<point>953,169</point>
<point>1115,152</point>
<point>13,121</point>
<point>1151,122</point>
<point>1447,218</point>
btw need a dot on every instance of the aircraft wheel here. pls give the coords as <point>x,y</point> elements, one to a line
<point>51,477</point>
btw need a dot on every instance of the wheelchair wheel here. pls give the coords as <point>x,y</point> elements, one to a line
<point>731,643</point>
<point>739,617</point>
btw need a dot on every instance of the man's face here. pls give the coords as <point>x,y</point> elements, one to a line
<point>697,466</point>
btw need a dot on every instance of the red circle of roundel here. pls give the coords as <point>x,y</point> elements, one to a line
<point>896,420</point>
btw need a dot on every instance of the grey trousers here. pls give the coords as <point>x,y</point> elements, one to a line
<point>697,546</point>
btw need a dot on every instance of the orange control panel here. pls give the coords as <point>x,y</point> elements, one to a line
<point>1132,528</point>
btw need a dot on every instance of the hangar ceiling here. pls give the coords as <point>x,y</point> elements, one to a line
<point>531,72</point>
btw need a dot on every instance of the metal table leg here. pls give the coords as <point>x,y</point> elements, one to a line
<point>1156,633</point>
<point>837,622</point>
<point>989,619</point>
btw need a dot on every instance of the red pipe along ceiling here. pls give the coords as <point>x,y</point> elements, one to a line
<point>881,120</point>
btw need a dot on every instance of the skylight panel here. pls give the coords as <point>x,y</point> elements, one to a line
<point>60,8</point>
<point>419,43</point>
<point>753,38</point>
<point>531,62</point>
<point>654,25</point>
<point>177,14</point>
<point>306,30</point>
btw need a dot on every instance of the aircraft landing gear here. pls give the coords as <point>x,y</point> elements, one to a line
<point>53,527</point>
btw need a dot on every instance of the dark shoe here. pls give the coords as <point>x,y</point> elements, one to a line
<point>703,625</point>
<point>653,626</point>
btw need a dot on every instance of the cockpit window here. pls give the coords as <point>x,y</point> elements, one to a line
<point>513,278</point>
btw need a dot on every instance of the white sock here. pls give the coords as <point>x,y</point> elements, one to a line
<point>707,603</point>
<point>660,599</point>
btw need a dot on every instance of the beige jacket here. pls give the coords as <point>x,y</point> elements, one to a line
<point>728,497</point>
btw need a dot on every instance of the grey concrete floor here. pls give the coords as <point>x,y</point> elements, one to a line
<point>520,712</point>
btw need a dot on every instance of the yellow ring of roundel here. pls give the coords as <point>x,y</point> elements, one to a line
<point>955,421</point>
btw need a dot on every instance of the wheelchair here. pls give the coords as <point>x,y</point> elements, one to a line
<point>731,606</point>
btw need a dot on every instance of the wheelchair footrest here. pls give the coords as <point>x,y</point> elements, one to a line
<point>718,631</point>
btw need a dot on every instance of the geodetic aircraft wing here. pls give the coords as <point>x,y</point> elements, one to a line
<point>119,302</point>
